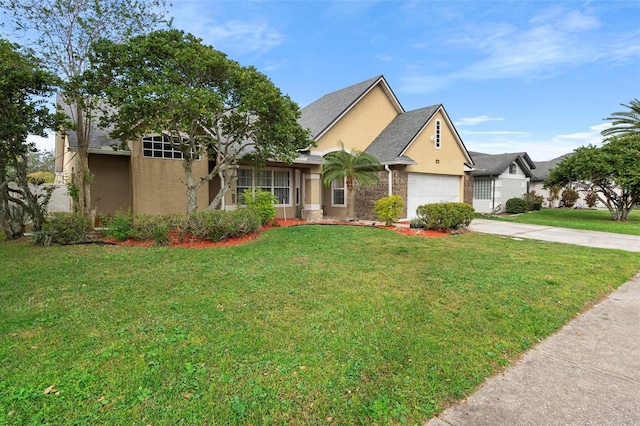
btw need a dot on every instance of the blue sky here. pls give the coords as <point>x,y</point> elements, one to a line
<point>534,76</point>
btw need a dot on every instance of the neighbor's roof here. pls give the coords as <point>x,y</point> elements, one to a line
<point>543,168</point>
<point>394,139</point>
<point>321,114</point>
<point>496,164</point>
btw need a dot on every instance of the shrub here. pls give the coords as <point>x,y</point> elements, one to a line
<point>516,205</point>
<point>591,198</point>
<point>3,236</point>
<point>262,202</point>
<point>533,200</point>
<point>153,227</point>
<point>389,209</point>
<point>63,228</point>
<point>569,197</point>
<point>445,215</point>
<point>216,225</point>
<point>119,225</point>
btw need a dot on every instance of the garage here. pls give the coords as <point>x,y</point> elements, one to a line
<point>426,189</point>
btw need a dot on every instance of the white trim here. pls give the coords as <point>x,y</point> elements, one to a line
<point>312,206</point>
<point>312,176</point>
<point>278,169</point>
<point>344,192</point>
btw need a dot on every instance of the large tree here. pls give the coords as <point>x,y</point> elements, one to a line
<point>612,171</point>
<point>169,82</point>
<point>23,84</point>
<point>354,167</point>
<point>65,30</point>
<point>624,122</point>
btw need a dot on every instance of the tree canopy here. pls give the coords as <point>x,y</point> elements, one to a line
<point>612,171</point>
<point>23,111</point>
<point>354,167</point>
<point>625,122</point>
<point>64,33</point>
<point>168,82</point>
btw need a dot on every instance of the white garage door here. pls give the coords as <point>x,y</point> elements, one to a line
<point>426,189</point>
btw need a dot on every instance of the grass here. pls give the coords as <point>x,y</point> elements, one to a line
<point>592,220</point>
<point>306,325</point>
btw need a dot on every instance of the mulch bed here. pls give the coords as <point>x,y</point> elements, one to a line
<point>191,241</point>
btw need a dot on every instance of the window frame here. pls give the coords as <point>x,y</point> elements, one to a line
<point>513,169</point>
<point>161,143</point>
<point>438,135</point>
<point>266,177</point>
<point>485,190</point>
<point>344,192</point>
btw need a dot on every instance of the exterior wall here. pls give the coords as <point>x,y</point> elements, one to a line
<point>111,186</point>
<point>366,195</point>
<point>448,160</point>
<point>329,211</point>
<point>361,125</point>
<point>157,183</point>
<point>506,186</point>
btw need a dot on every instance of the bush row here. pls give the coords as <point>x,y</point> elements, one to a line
<point>213,225</point>
<point>529,202</point>
<point>443,216</point>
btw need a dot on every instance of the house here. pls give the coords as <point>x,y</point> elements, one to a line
<point>497,178</point>
<point>424,161</point>
<point>543,168</point>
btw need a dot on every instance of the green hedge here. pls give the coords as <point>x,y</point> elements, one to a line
<point>63,228</point>
<point>516,205</point>
<point>445,215</point>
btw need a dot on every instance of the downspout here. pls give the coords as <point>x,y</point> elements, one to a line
<point>389,178</point>
<point>493,194</point>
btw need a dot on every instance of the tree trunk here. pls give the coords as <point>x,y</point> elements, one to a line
<point>82,173</point>
<point>192,189</point>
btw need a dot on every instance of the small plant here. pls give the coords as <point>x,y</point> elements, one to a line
<point>591,198</point>
<point>119,225</point>
<point>389,209</point>
<point>153,227</point>
<point>533,200</point>
<point>63,228</point>
<point>262,202</point>
<point>569,197</point>
<point>516,205</point>
<point>443,216</point>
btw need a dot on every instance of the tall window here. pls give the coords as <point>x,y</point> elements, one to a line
<point>159,146</point>
<point>437,135</point>
<point>482,189</point>
<point>277,182</point>
<point>338,193</point>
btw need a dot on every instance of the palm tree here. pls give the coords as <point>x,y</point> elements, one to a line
<point>352,166</point>
<point>625,122</point>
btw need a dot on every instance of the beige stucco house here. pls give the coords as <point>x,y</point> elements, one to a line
<point>424,161</point>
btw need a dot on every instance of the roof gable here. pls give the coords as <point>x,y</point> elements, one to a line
<point>496,164</point>
<point>394,141</point>
<point>322,114</point>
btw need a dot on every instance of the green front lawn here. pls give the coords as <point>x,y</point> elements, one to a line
<point>305,325</point>
<point>592,220</point>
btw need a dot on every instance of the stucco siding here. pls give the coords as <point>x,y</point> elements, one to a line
<point>111,186</point>
<point>361,125</point>
<point>448,160</point>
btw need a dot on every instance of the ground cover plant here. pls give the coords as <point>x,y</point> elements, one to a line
<point>592,220</point>
<point>304,325</point>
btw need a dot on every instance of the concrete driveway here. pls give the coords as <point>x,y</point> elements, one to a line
<point>557,235</point>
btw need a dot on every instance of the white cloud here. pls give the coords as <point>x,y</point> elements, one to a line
<point>384,58</point>
<point>244,37</point>
<point>472,121</point>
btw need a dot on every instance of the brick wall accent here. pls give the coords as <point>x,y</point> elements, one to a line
<point>468,189</point>
<point>366,195</point>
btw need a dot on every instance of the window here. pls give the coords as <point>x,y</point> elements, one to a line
<point>437,135</point>
<point>277,182</point>
<point>482,189</point>
<point>338,193</point>
<point>513,169</point>
<point>159,146</point>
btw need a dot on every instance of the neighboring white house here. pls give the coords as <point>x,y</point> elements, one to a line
<point>497,178</point>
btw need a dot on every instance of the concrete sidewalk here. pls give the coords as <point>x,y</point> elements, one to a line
<point>557,235</point>
<point>586,374</point>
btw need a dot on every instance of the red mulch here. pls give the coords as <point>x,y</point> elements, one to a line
<point>191,241</point>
